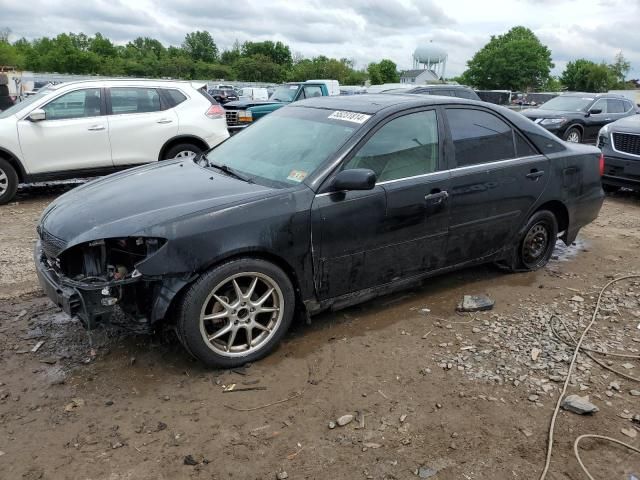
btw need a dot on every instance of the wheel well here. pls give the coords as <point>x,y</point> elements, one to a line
<point>576,125</point>
<point>184,139</point>
<point>559,211</point>
<point>15,163</point>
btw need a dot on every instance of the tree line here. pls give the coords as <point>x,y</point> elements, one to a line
<point>518,61</point>
<point>198,57</point>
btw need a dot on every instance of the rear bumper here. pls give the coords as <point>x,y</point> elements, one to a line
<point>583,212</point>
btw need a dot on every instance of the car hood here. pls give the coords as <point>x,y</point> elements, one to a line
<point>242,104</point>
<point>629,124</point>
<point>144,201</point>
<point>541,113</point>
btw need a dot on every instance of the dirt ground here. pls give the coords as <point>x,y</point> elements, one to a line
<point>435,394</point>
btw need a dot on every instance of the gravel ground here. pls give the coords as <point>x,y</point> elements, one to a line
<point>433,393</point>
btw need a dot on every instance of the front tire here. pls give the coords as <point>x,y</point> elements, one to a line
<point>8,182</point>
<point>573,135</point>
<point>236,312</point>
<point>182,151</point>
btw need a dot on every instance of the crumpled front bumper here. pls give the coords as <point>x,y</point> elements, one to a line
<point>81,299</point>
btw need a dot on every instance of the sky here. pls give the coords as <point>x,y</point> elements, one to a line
<point>361,30</point>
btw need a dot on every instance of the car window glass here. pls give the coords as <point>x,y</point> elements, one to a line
<point>523,149</point>
<point>615,106</point>
<point>176,96</point>
<point>600,105</point>
<point>627,105</point>
<point>464,94</point>
<point>78,104</point>
<point>134,100</point>
<point>405,147</point>
<point>311,91</point>
<point>479,137</point>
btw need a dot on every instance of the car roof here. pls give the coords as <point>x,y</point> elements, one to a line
<point>443,86</point>
<point>372,103</point>
<point>99,82</point>
<point>591,94</point>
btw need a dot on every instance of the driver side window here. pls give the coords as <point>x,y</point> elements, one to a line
<point>600,105</point>
<point>77,104</point>
<point>405,147</point>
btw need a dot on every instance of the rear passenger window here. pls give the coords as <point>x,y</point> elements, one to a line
<point>134,100</point>
<point>176,97</point>
<point>465,94</point>
<point>479,137</point>
<point>405,147</point>
<point>523,149</point>
<point>615,106</point>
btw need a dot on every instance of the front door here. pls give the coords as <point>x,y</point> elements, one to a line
<point>498,177</point>
<point>74,135</point>
<point>138,126</point>
<point>398,229</point>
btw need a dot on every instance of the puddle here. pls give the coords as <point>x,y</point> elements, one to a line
<point>564,253</point>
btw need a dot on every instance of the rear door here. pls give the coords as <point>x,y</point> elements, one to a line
<point>74,135</point>
<point>496,179</point>
<point>397,230</point>
<point>140,123</point>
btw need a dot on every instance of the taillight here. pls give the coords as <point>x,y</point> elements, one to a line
<point>215,111</point>
<point>601,164</point>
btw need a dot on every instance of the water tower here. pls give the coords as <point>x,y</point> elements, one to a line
<point>430,57</point>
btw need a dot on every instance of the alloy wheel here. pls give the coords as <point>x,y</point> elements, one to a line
<point>241,314</point>
<point>535,244</point>
<point>573,137</point>
<point>185,154</point>
<point>4,182</point>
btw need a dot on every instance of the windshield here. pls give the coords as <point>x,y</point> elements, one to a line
<point>568,103</point>
<point>285,93</point>
<point>287,146</point>
<point>25,103</point>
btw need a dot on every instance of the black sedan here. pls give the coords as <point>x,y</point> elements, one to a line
<point>620,144</point>
<point>322,204</point>
<point>577,117</point>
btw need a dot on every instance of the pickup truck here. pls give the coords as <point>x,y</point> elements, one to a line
<point>242,113</point>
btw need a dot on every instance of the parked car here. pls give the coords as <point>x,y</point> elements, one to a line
<point>253,93</point>
<point>223,96</point>
<point>577,117</point>
<point>243,113</point>
<point>459,91</point>
<point>324,203</point>
<point>620,144</point>
<point>89,128</point>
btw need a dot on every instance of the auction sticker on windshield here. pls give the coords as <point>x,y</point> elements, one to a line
<point>349,116</point>
<point>297,175</point>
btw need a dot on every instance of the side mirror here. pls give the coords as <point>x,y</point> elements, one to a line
<point>354,179</point>
<point>595,111</point>
<point>37,115</point>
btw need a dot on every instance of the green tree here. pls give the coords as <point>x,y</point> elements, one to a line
<point>516,60</point>
<point>620,68</point>
<point>587,76</point>
<point>276,52</point>
<point>199,45</point>
<point>373,70</point>
<point>388,71</point>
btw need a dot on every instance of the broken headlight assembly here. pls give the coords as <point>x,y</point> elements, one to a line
<point>111,260</point>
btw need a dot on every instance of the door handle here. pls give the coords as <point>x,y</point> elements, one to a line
<point>96,128</point>
<point>436,198</point>
<point>535,174</point>
<point>164,120</point>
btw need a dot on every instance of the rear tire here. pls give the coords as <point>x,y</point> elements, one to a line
<point>8,182</point>
<point>573,135</point>
<point>182,151</point>
<point>535,244</point>
<point>236,313</point>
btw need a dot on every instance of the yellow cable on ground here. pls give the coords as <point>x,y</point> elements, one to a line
<point>602,437</point>
<point>566,384</point>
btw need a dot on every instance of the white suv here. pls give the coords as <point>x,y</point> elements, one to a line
<point>90,128</point>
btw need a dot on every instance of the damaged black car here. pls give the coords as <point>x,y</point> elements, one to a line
<point>325,203</point>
